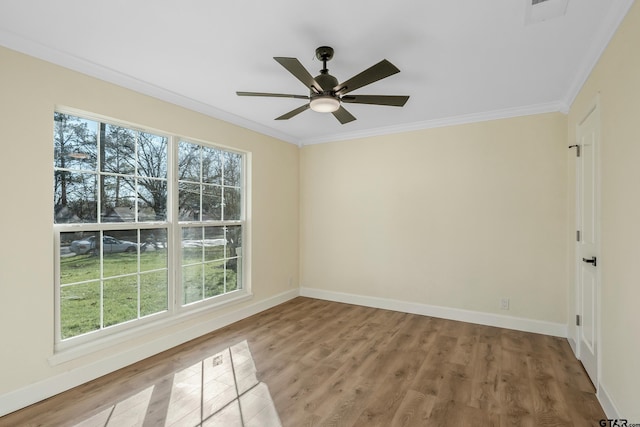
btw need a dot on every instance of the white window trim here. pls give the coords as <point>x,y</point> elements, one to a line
<point>176,313</point>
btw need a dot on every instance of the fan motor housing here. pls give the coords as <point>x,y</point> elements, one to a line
<point>326,80</point>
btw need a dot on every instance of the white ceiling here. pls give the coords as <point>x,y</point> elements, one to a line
<point>460,60</point>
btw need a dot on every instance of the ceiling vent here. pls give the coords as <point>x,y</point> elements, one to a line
<point>543,10</point>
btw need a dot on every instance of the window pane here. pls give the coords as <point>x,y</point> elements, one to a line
<point>191,245</point>
<point>234,241</point>
<point>153,249</point>
<point>189,203</point>
<point>75,197</point>
<point>211,165</point>
<point>118,199</point>
<point>120,250</point>
<point>152,199</point>
<point>120,300</point>
<point>153,292</point>
<point>74,142</point>
<point>118,153</point>
<point>234,265</point>
<point>232,204</point>
<point>188,162</point>
<point>79,309</point>
<point>213,243</point>
<point>211,202</point>
<point>232,275</point>
<point>214,279</point>
<point>152,155</point>
<point>192,283</point>
<point>232,169</point>
<point>78,257</point>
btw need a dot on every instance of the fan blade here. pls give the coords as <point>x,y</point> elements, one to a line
<point>372,74</point>
<point>297,69</point>
<point>273,95</point>
<point>343,115</point>
<point>292,113</point>
<point>392,100</point>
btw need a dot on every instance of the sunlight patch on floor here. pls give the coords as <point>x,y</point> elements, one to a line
<point>221,390</point>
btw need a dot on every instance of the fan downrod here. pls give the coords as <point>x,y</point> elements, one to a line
<point>324,54</point>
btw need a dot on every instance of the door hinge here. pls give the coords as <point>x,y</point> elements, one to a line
<point>577,235</point>
<point>577,147</point>
<point>577,320</point>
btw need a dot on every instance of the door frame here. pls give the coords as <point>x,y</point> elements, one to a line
<point>593,108</point>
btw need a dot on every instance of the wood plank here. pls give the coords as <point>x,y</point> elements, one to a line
<point>414,410</point>
<point>485,380</point>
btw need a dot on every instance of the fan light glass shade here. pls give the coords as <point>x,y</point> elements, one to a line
<point>324,104</point>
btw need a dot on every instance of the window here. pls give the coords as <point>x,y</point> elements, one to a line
<point>123,219</point>
<point>209,182</point>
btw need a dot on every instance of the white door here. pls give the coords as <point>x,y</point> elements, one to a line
<point>588,246</point>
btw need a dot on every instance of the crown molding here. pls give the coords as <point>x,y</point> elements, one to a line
<point>551,107</point>
<point>72,62</point>
<point>604,35</point>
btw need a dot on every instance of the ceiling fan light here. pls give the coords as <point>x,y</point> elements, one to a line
<point>324,104</point>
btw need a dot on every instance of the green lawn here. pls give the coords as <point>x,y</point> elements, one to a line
<point>206,280</point>
<point>80,302</point>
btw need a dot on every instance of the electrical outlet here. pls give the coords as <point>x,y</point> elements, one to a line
<point>504,304</point>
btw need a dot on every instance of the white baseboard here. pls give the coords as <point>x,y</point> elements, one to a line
<point>36,392</point>
<point>607,404</point>
<point>489,319</point>
<point>573,345</point>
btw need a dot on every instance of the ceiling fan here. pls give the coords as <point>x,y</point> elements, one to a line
<point>325,93</point>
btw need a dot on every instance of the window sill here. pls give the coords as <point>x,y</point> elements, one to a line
<point>72,351</point>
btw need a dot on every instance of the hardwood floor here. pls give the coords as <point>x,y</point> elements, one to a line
<point>316,363</point>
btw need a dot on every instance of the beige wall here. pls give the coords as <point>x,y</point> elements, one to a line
<point>457,217</point>
<point>616,78</point>
<point>29,91</point>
